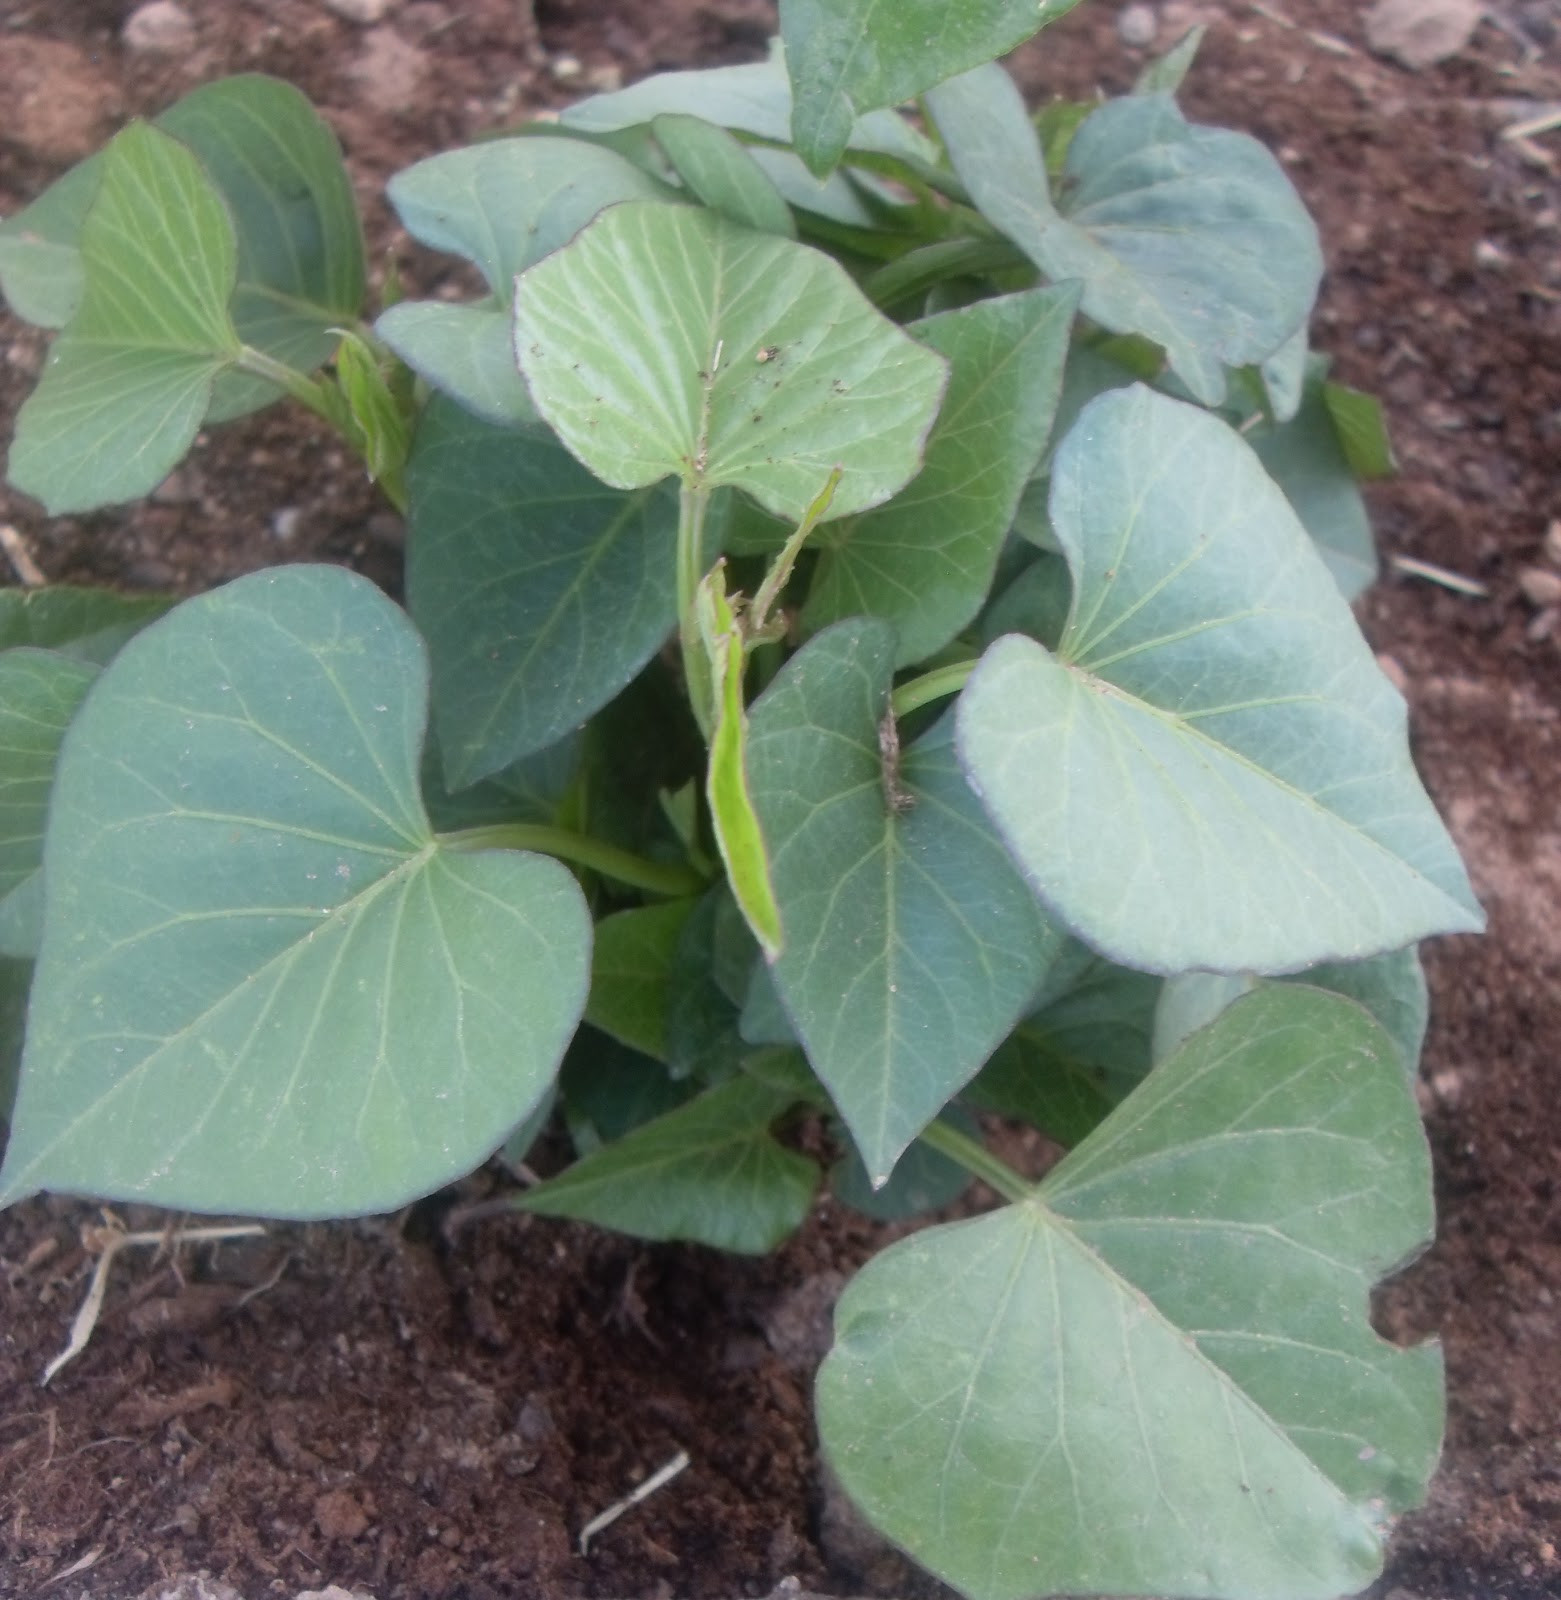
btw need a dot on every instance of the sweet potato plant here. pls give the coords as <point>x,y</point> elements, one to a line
<point>876,651</point>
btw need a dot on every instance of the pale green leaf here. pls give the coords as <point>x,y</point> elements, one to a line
<point>631,974</point>
<point>264,986</point>
<point>40,265</point>
<point>847,57</point>
<point>465,353</point>
<point>40,691</point>
<point>540,591</point>
<point>722,174</point>
<point>1284,375</point>
<point>1166,74</point>
<point>912,945</point>
<point>128,382</point>
<point>1158,1375</point>
<point>668,341</point>
<point>925,560</point>
<point>1191,237</point>
<point>1211,771</point>
<point>708,1171</point>
<point>86,624</point>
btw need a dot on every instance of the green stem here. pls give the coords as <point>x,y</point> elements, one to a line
<point>780,571</point>
<point>930,686</point>
<point>976,1159</point>
<point>656,876</point>
<point>321,398</point>
<point>693,504</point>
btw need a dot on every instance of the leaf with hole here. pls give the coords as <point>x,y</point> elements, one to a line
<point>1157,1375</point>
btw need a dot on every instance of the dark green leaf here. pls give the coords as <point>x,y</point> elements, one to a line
<point>540,591</point>
<point>610,1089</point>
<point>708,1172</point>
<point>924,1179</point>
<point>15,977</point>
<point>912,946</point>
<point>86,624</point>
<point>631,974</point>
<point>723,175</point>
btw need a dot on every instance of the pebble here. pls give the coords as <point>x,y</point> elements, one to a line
<point>1553,542</point>
<point>1540,586</point>
<point>566,68</point>
<point>159,29</point>
<point>1137,26</point>
<point>364,12</point>
<point>284,523</point>
<point>1419,33</point>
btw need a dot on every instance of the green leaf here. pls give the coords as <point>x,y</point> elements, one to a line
<point>1158,1375</point>
<point>702,1035</point>
<point>85,624</point>
<point>40,691</point>
<point>851,56</point>
<point>708,1172</point>
<point>541,592</point>
<point>1362,430</point>
<point>912,946</point>
<point>668,341</point>
<point>384,430</point>
<point>40,265</point>
<point>279,169</point>
<point>732,819</point>
<point>15,979</point>
<point>529,790</point>
<point>502,205</point>
<point>631,973</point>
<point>1211,771</point>
<point>924,1179</point>
<point>1392,988</point>
<point>1192,237</point>
<point>1084,1047</point>
<point>925,560</point>
<point>264,986</point>
<point>1167,73</point>
<point>1304,457</point>
<point>723,175</point>
<point>1285,373</point>
<point>609,1090</point>
<point>129,381</point>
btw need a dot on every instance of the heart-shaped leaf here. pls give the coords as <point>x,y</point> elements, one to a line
<point>925,561</point>
<point>1157,1375</point>
<point>40,691</point>
<point>1192,237</point>
<point>851,56</point>
<point>724,176</point>
<point>264,985</point>
<point>129,381</point>
<point>912,945</point>
<point>1211,771</point>
<point>502,205</point>
<point>540,591</point>
<point>709,1172</point>
<point>667,341</point>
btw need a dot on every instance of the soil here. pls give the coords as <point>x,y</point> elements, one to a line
<point>413,1411</point>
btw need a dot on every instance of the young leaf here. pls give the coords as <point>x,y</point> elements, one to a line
<point>264,985</point>
<point>1211,771</point>
<point>279,169</point>
<point>502,205</point>
<point>631,971</point>
<point>1167,73</point>
<point>925,560</point>
<point>384,430</point>
<point>85,624</point>
<point>40,691</point>
<point>737,832</point>
<point>851,56</point>
<point>541,592</point>
<point>912,946</point>
<point>722,174</point>
<point>709,1172</point>
<point>129,381</point>
<point>1192,237</point>
<point>1362,430</point>
<point>667,341</point>
<point>1157,1376</point>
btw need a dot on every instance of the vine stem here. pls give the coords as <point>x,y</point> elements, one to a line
<point>934,685</point>
<point>976,1159</point>
<point>657,877</point>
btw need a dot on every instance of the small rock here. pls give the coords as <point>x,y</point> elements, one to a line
<point>1487,253</point>
<point>1553,542</point>
<point>1543,626</point>
<point>1540,586</point>
<point>566,68</point>
<point>389,72</point>
<point>284,524</point>
<point>338,1515</point>
<point>1419,33</point>
<point>1137,26</point>
<point>364,12</point>
<point>159,29</point>
<point>605,79</point>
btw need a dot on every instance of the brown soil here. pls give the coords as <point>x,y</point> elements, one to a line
<point>388,1406</point>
